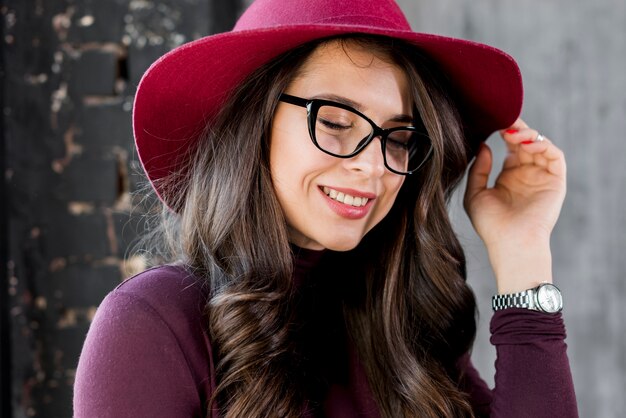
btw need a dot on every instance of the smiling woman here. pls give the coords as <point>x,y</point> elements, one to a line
<point>301,173</point>
<point>313,268</point>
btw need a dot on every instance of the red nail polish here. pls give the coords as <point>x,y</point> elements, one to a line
<point>511,131</point>
<point>527,142</point>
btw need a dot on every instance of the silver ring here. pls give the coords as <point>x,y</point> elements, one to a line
<point>540,138</point>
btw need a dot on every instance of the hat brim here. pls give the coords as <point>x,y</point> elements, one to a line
<point>186,87</point>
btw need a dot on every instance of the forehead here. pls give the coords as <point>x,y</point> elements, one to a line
<point>354,71</point>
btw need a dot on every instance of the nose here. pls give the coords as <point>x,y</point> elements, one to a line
<point>369,161</point>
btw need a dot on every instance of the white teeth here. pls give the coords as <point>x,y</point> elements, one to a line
<point>346,199</point>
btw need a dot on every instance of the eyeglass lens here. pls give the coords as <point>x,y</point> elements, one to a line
<point>342,132</point>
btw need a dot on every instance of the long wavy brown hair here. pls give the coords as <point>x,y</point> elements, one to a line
<point>400,295</point>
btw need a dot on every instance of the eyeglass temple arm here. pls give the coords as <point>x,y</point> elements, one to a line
<point>298,101</point>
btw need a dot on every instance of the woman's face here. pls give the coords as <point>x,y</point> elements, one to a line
<point>304,176</point>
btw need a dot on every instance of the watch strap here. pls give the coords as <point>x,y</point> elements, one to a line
<point>514,300</point>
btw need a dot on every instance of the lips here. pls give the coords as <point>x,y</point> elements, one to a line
<point>345,198</point>
<point>348,203</point>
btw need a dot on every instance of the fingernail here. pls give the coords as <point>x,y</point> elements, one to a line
<point>511,131</point>
<point>527,142</point>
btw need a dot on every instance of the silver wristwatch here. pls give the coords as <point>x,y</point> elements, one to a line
<point>544,298</point>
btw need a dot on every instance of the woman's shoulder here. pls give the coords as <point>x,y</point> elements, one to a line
<point>147,333</point>
<point>167,289</point>
<point>168,299</point>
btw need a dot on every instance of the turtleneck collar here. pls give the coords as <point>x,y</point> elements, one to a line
<point>305,261</point>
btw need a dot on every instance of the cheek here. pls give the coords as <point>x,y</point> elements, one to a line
<point>393,187</point>
<point>290,164</point>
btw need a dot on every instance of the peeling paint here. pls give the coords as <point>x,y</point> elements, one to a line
<point>133,265</point>
<point>58,61</point>
<point>142,32</point>
<point>100,100</point>
<point>35,233</point>
<point>110,231</point>
<point>136,5</point>
<point>59,96</point>
<point>72,149</point>
<point>69,318</point>
<point>62,22</point>
<point>39,8</point>
<point>80,208</point>
<point>91,313</point>
<point>123,180</point>
<point>35,79</point>
<point>77,50</point>
<point>86,21</point>
<point>41,302</point>
<point>107,261</point>
<point>57,264</point>
<point>9,19</point>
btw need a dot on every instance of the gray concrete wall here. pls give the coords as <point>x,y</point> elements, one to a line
<point>572,54</point>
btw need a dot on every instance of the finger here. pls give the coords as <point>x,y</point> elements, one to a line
<point>478,175</point>
<point>524,149</point>
<point>516,126</point>
<point>540,161</point>
<point>517,139</point>
<point>555,159</point>
<point>547,155</point>
<point>511,160</point>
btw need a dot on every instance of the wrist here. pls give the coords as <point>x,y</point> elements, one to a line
<point>521,266</point>
<point>544,298</point>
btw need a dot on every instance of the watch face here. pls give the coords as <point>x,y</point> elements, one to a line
<point>549,298</point>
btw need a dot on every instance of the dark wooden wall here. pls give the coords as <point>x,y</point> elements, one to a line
<point>70,69</point>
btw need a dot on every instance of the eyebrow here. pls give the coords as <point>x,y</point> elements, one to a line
<point>345,101</point>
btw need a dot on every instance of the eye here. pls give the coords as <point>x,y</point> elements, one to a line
<point>399,140</point>
<point>334,125</point>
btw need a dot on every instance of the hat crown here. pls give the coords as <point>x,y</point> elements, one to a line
<point>383,14</point>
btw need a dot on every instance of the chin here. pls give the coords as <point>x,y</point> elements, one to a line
<point>335,240</point>
<point>342,244</point>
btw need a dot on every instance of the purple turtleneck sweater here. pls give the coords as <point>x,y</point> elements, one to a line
<point>147,354</point>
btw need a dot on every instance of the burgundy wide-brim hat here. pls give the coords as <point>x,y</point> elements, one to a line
<point>185,89</point>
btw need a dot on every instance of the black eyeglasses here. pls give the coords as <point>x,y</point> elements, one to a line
<point>342,131</point>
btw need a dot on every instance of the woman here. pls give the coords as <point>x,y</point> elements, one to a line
<point>314,271</point>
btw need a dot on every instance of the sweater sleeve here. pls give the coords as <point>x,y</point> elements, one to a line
<point>533,377</point>
<point>132,365</point>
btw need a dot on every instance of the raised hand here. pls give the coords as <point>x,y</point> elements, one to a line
<point>516,216</point>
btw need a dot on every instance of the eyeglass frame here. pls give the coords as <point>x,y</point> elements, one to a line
<point>313,105</point>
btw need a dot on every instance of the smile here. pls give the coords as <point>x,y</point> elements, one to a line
<point>344,198</point>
